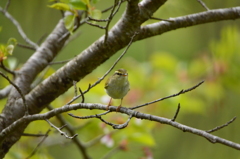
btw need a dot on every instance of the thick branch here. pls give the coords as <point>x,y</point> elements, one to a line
<point>14,108</point>
<point>212,138</point>
<point>189,20</point>
<point>118,38</point>
<point>41,58</point>
<point>92,57</point>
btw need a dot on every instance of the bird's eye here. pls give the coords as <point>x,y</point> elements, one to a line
<point>118,73</point>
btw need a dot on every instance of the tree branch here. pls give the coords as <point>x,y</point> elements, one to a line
<point>7,5</point>
<point>70,129</point>
<point>77,68</point>
<point>111,68</point>
<point>212,138</point>
<point>19,91</point>
<point>39,144</point>
<point>117,3</point>
<point>60,131</point>
<point>26,47</point>
<point>174,95</point>
<point>187,21</point>
<point>176,114</point>
<point>222,126</point>
<point>203,5</point>
<point>19,28</point>
<point>96,54</point>
<point>6,69</point>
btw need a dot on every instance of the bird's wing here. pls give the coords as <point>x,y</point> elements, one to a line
<point>106,84</point>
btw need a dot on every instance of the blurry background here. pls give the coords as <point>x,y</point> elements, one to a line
<point>158,67</point>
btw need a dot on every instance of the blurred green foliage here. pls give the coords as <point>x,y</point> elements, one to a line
<point>7,49</point>
<point>74,6</point>
<point>157,67</point>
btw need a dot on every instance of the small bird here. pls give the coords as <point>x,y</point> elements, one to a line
<point>117,86</point>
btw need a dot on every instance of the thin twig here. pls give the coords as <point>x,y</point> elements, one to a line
<point>60,131</point>
<point>76,97</point>
<point>167,20</point>
<point>39,144</point>
<point>33,135</point>
<point>222,126</point>
<point>110,18</point>
<point>176,114</point>
<point>116,126</point>
<point>97,20</point>
<point>7,5</point>
<point>6,69</point>
<point>96,25</point>
<point>62,126</point>
<point>26,46</point>
<point>102,78</point>
<point>174,95</point>
<point>68,33</point>
<point>121,126</point>
<point>19,28</point>
<point>41,38</point>
<point>109,8</point>
<point>115,63</point>
<point>59,62</point>
<point>71,130</point>
<point>82,95</point>
<point>19,91</point>
<point>117,3</point>
<point>106,122</point>
<point>90,116</point>
<point>203,4</point>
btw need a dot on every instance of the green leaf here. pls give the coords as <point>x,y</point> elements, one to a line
<point>79,5</point>
<point>12,63</point>
<point>61,6</point>
<point>9,49</point>
<point>69,22</point>
<point>12,41</point>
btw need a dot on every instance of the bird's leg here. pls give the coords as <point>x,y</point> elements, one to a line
<point>109,104</point>
<point>118,108</point>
